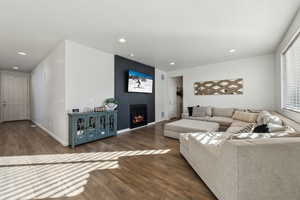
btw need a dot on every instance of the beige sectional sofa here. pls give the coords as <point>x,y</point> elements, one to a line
<point>222,116</point>
<point>237,168</point>
<point>263,169</point>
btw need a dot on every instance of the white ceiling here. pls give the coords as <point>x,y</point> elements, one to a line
<point>189,32</point>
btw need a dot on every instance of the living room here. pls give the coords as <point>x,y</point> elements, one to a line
<point>150,100</point>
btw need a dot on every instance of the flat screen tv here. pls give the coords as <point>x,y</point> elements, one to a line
<point>139,82</point>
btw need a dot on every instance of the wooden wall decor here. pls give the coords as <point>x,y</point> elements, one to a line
<point>222,87</point>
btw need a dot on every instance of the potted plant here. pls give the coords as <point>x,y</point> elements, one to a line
<point>110,104</point>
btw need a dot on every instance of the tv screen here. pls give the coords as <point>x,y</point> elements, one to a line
<point>139,82</point>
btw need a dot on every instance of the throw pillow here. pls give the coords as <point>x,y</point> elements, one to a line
<point>245,116</point>
<point>275,127</point>
<point>272,119</point>
<point>247,129</point>
<point>261,129</point>
<point>190,111</point>
<point>244,129</point>
<point>199,111</point>
<point>261,116</point>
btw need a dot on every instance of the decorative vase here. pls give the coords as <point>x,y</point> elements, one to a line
<point>110,106</point>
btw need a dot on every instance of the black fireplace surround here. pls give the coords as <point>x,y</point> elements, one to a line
<point>138,115</point>
<point>125,98</point>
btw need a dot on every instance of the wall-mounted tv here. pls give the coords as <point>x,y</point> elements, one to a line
<point>139,82</point>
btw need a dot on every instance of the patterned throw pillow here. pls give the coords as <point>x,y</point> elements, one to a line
<point>245,116</point>
<point>246,129</point>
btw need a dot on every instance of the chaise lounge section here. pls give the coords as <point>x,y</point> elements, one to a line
<point>247,166</point>
<point>263,169</point>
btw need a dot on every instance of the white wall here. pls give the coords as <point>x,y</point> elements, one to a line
<point>161,110</point>
<point>72,76</point>
<point>90,76</point>
<point>48,95</point>
<point>290,34</point>
<point>258,75</point>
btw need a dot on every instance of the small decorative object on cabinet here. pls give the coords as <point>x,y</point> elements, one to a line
<point>88,127</point>
<point>110,104</point>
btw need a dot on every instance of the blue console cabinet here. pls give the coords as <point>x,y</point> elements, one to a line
<point>87,127</point>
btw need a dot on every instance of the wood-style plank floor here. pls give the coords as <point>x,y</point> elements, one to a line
<point>164,176</point>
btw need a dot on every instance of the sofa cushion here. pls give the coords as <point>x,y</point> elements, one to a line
<point>185,116</point>
<point>223,112</point>
<point>210,142</point>
<point>199,111</point>
<point>190,110</point>
<point>186,125</point>
<point>238,123</point>
<point>261,116</point>
<point>275,127</point>
<point>224,121</point>
<point>261,129</point>
<point>272,119</point>
<point>245,116</point>
<point>241,129</point>
<point>243,136</point>
<point>206,109</point>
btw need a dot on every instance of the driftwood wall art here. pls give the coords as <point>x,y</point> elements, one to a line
<point>222,87</point>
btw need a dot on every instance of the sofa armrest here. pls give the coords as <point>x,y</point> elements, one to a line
<point>268,169</point>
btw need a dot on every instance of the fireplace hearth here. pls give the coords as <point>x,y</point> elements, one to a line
<point>138,115</point>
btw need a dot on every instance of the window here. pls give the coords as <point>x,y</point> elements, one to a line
<point>291,76</point>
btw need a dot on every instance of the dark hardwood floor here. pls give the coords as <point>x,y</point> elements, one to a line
<point>163,176</point>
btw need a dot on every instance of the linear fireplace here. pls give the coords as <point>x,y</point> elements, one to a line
<point>138,115</point>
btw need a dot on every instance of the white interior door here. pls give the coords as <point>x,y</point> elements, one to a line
<point>14,96</point>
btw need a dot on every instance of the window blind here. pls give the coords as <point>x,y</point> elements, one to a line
<point>291,77</point>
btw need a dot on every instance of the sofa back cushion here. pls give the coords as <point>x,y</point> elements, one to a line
<point>201,111</point>
<point>245,116</point>
<point>223,112</point>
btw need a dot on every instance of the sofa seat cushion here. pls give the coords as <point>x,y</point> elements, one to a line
<point>223,121</point>
<point>186,126</point>
<point>211,141</point>
<point>238,123</point>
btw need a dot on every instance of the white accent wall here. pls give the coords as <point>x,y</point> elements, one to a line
<point>89,76</point>
<point>48,95</point>
<point>290,34</point>
<point>161,98</point>
<point>257,72</point>
<point>72,76</point>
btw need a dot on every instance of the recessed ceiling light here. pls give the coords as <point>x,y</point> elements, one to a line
<point>232,50</point>
<point>122,40</point>
<point>22,53</point>
<point>131,55</point>
<point>172,63</point>
<point>15,67</point>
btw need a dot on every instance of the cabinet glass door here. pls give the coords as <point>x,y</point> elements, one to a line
<point>112,123</point>
<point>91,127</point>
<point>80,128</point>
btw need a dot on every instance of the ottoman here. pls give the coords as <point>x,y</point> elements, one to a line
<point>174,129</point>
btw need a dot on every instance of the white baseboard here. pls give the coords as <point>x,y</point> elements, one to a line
<point>119,132</point>
<point>51,134</point>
